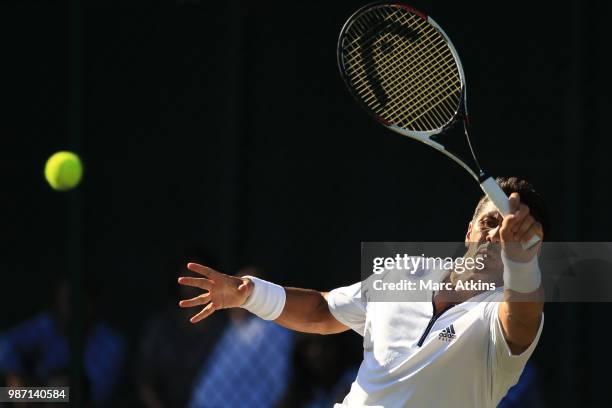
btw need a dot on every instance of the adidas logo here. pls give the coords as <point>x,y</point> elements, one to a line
<point>447,334</point>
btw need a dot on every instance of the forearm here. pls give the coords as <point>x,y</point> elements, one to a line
<point>521,311</point>
<point>307,311</point>
<point>302,310</point>
<point>520,316</point>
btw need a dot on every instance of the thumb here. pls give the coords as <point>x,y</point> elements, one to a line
<point>514,201</point>
<point>244,286</point>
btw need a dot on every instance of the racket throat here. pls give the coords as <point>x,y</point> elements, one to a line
<point>466,130</point>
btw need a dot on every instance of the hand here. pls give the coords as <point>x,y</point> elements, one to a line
<point>518,228</point>
<point>223,291</point>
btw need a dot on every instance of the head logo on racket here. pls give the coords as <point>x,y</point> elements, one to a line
<point>380,47</point>
<point>403,69</point>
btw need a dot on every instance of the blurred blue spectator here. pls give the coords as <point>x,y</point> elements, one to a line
<point>37,351</point>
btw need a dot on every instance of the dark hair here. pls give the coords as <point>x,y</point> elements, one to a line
<point>529,196</point>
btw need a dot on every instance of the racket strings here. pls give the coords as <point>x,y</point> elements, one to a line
<point>417,72</point>
<point>420,75</point>
<point>424,70</point>
<point>391,62</point>
<point>428,73</point>
<point>410,82</point>
<point>430,84</point>
<point>423,75</point>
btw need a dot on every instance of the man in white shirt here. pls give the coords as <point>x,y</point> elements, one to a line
<point>464,349</point>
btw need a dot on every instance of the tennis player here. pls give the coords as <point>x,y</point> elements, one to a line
<point>464,349</point>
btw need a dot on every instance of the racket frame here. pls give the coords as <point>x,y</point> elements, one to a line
<point>421,136</point>
<point>487,184</point>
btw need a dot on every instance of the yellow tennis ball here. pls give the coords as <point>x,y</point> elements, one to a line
<point>63,171</point>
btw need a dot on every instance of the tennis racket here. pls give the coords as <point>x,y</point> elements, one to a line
<point>404,71</point>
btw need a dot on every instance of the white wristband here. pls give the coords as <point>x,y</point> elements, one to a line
<point>267,300</point>
<point>523,277</point>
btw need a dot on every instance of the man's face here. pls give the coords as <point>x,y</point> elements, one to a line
<point>482,240</point>
<point>484,228</point>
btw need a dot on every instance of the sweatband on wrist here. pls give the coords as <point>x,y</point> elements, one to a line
<point>267,300</point>
<point>523,277</point>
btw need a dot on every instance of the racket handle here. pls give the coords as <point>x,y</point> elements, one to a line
<point>500,200</point>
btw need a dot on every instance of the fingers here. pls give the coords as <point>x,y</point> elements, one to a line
<point>509,224</point>
<point>534,229</point>
<point>516,226</point>
<point>201,283</point>
<point>518,222</point>
<point>524,226</point>
<point>514,200</point>
<point>520,215</point>
<point>202,270</point>
<point>204,313</point>
<point>196,301</point>
<point>520,227</point>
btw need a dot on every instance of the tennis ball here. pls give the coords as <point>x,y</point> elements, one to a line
<point>63,171</point>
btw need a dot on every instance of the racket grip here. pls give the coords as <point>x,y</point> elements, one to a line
<point>499,198</point>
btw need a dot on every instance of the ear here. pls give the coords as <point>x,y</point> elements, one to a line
<point>468,234</point>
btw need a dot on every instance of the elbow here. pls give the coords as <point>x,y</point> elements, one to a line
<point>520,323</point>
<point>521,331</point>
<point>331,327</point>
<point>325,322</point>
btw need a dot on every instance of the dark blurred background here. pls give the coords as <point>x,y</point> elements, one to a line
<point>225,127</point>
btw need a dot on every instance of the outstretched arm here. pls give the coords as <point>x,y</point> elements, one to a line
<point>521,311</point>
<point>304,310</point>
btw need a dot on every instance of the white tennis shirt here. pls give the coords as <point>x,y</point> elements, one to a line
<point>411,359</point>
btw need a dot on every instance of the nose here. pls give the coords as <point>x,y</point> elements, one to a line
<point>493,235</point>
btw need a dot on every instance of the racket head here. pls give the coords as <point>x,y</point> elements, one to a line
<point>402,68</point>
